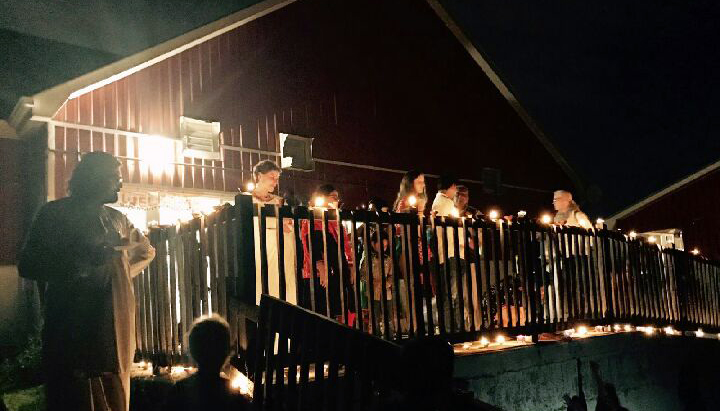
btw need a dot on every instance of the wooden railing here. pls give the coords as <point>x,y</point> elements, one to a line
<point>518,278</point>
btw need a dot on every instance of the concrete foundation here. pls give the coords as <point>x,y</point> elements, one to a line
<point>649,372</point>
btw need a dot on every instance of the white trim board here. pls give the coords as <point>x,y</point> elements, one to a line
<point>653,197</point>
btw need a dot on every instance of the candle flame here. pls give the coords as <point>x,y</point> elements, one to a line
<point>250,186</point>
<point>546,219</point>
<point>319,201</point>
<point>412,201</point>
<point>493,214</point>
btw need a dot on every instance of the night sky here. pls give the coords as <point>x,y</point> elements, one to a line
<point>626,90</point>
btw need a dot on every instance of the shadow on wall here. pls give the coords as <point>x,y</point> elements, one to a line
<point>643,373</point>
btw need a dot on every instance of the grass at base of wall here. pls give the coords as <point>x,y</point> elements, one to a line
<point>30,399</point>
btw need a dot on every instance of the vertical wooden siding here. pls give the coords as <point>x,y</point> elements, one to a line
<point>380,83</point>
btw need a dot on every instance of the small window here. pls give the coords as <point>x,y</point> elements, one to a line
<point>201,139</point>
<point>296,152</point>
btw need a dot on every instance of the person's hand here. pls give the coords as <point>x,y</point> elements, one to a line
<point>322,274</point>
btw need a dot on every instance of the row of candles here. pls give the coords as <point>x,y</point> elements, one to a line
<point>583,331</point>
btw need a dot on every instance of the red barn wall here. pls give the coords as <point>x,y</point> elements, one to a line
<point>693,208</point>
<point>374,82</point>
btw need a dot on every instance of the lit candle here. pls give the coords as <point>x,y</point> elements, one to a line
<point>454,212</point>
<point>522,213</point>
<point>695,251</point>
<point>412,201</point>
<point>632,234</point>
<point>250,186</point>
<point>546,219</point>
<point>500,339</point>
<point>319,201</point>
<point>493,214</point>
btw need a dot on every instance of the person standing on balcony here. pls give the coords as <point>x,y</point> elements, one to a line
<point>330,264</point>
<point>84,254</point>
<point>267,176</point>
<point>412,184</point>
<point>568,212</point>
<point>444,206</point>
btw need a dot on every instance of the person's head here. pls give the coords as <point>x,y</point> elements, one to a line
<point>383,237</point>
<point>412,183</point>
<point>267,175</point>
<point>96,178</point>
<point>209,342</point>
<point>329,194</point>
<point>462,196</point>
<point>562,200</point>
<point>448,185</point>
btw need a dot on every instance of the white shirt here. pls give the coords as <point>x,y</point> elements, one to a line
<point>443,206</point>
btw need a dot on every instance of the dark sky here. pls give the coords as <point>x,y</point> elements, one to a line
<point>626,90</point>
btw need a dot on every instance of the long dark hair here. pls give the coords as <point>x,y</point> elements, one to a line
<point>87,177</point>
<point>407,187</point>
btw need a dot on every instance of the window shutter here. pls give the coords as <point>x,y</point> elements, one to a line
<point>201,139</point>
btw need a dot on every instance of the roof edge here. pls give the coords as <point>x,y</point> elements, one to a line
<point>49,101</point>
<point>485,66</point>
<point>659,194</point>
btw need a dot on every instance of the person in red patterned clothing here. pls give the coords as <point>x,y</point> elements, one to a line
<point>331,200</point>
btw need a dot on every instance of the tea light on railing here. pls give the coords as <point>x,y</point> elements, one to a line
<point>500,339</point>
<point>647,330</point>
<point>412,201</point>
<point>454,212</point>
<point>522,213</point>
<point>669,330</point>
<point>582,330</point>
<point>617,327</point>
<point>319,201</point>
<point>484,342</point>
<point>600,223</point>
<point>250,186</point>
<point>695,251</point>
<point>569,333</point>
<point>632,234</point>
<point>466,346</point>
<point>493,214</point>
<point>628,327</point>
<point>546,219</point>
<point>699,333</point>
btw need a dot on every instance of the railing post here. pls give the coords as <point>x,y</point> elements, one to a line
<point>682,269</point>
<point>244,287</point>
<point>243,316</point>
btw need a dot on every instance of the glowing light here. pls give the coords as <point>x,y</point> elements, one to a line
<point>699,333</point>
<point>522,213</point>
<point>652,239</point>
<point>695,251</point>
<point>599,328</point>
<point>493,214</point>
<point>250,186</point>
<point>628,327</point>
<point>632,234</point>
<point>484,342</point>
<point>466,346</point>
<point>319,201</point>
<point>156,153</point>
<point>600,221</point>
<point>669,330</point>
<point>582,330</point>
<point>648,330</point>
<point>546,219</point>
<point>500,339</point>
<point>362,206</point>
<point>412,201</point>
<point>454,212</point>
<point>617,327</point>
<point>177,370</point>
<point>569,333</point>
<point>241,383</point>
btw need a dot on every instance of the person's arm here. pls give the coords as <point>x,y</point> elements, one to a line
<point>39,258</point>
<point>141,254</point>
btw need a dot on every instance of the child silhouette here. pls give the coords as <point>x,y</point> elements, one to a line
<point>209,342</point>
